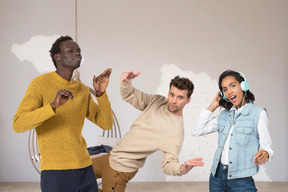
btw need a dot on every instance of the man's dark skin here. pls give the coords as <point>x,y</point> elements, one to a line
<point>67,61</point>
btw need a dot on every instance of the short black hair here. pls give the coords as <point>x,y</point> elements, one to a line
<point>183,83</point>
<point>224,103</point>
<point>56,47</point>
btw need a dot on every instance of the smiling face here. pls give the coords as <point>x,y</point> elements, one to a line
<point>177,99</point>
<point>69,56</point>
<point>232,90</point>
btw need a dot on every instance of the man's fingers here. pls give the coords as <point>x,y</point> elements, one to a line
<point>107,72</point>
<point>132,75</point>
<point>136,74</point>
<point>71,95</point>
<point>67,93</point>
<point>198,159</point>
<point>127,76</point>
<point>196,162</point>
<point>61,97</point>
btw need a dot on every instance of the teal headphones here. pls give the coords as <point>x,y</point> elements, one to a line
<point>244,86</point>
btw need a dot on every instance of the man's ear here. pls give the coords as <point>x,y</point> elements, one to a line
<point>188,100</point>
<point>56,57</point>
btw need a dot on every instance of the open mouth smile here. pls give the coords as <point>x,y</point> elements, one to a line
<point>232,98</point>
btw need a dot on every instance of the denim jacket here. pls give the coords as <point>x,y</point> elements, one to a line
<point>244,142</point>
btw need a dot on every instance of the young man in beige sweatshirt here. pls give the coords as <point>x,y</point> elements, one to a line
<point>158,128</point>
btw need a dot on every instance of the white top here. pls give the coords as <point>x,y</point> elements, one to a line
<point>205,126</point>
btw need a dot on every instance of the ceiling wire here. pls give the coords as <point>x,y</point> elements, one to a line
<point>76,73</point>
<point>76,22</point>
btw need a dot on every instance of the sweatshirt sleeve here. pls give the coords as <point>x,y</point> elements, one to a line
<point>135,97</point>
<point>170,164</point>
<point>31,113</point>
<point>100,114</point>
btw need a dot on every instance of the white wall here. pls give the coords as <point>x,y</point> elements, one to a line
<point>143,35</point>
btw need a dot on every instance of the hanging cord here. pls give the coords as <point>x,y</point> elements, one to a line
<point>76,22</point>
<point>76,77</point>
<point>243,99</point>
<point>76,74</point>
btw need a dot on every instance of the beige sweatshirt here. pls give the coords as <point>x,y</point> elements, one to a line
<point>156,129</point>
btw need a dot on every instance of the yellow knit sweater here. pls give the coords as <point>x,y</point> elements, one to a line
<point>59,137</point>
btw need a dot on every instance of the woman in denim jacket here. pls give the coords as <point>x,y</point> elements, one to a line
<point>244,141</point>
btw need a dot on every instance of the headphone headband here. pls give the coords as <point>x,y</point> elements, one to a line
<point>242,75</point>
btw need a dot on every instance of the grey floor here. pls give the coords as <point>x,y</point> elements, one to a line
<point>153,187</point>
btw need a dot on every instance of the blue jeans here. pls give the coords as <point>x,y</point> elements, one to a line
<point>73,180</point>
<point>219,182</point>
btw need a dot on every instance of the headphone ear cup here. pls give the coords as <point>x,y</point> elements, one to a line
<point>245,86</point>
<point>223,96</point>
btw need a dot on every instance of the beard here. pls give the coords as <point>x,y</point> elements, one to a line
<point>173,109</point>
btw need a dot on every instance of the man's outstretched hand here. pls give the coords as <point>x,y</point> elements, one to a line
<point>188,165</point>
<point>100,82</point>
<point>127,76</point>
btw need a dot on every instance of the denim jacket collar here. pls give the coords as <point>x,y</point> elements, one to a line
<point>245,110</point>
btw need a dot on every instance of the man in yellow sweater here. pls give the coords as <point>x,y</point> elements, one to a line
<point>57,106</point>
<point>158,128</point>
